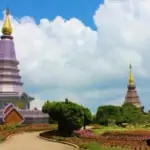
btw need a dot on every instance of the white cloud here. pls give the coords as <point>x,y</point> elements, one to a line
<point>37,103</point>
<point>67,55</point>
<point>116,102</point>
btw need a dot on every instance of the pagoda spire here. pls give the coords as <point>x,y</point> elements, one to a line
<point>131,77</point>
<point>7,28</point>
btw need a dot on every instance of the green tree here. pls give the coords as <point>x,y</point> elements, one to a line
<point>69,115</point>
<point>132,114</point>
<point>87,117</point>
<point>94,121</point>
<point>109,115</point>
<point>127,113</point>
<point>46,106</point>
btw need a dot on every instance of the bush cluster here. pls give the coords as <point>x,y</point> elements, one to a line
<point>69,116</point>
<point>121,115</point>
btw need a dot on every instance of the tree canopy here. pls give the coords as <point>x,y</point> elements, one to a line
<point>126,113</point>
<point>70,116</point>
<point>109,114</point>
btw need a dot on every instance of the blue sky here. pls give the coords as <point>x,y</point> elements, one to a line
<point>85,58</point>
<point>81,9</point>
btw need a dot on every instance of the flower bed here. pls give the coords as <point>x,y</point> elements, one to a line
<point>126,139</point>
<point>129,132</point>
<point>87,133</point>
<point>130,139</point>
<point>75,140</point>
<point>83,142</point>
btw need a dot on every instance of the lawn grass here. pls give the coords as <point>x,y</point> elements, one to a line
<point>101,129</point>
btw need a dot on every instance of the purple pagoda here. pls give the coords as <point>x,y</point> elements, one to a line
<point>11,87</point>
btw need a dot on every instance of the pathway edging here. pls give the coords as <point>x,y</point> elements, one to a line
<point>62,142</point>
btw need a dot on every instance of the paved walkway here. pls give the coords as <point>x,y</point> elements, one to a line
<point>30,141</point>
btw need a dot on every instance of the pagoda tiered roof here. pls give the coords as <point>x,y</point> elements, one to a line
<point>10,80</point>
<point>131,95</point>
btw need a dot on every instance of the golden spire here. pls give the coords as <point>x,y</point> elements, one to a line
<point>131,78</point>
<point>7,28</point>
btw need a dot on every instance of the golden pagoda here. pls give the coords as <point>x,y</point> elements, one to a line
<point>131,94</point>
<point>7,28</point>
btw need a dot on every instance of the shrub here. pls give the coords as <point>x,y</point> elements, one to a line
<point>70,116</point>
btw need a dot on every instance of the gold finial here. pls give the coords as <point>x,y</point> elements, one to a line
<point>7,28</point>
<point>131,78</point>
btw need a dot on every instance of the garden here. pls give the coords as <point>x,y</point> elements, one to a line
<point>112,127</point>
<point>87,139</point>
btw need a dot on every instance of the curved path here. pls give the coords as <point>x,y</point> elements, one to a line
<point>30,141</point>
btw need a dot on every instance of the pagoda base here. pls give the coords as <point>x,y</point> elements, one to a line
<point>34,116</point>
<point>22,105</point>
<point>15,100</point>
<point>21,101</point>
<point>30,116</point>
<point>132,97</point>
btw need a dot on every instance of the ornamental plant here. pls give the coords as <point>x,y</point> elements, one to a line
<point>70,116</point>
